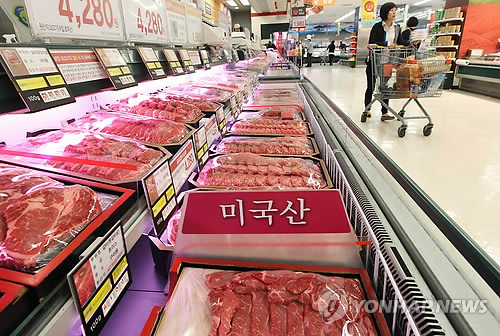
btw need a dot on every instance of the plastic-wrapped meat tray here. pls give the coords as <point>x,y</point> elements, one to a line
<point>45,217</point>
<point>15,304</point>
<point>83,154</point>
<point>210,94</point>
<point>148,131</point>
<point>274,127</point>
<point>281,146</point>
<point>272,113</point>
<point>203,104</point>
<point>159,107</point>
<point>230,297</point>
<point>247,171</point>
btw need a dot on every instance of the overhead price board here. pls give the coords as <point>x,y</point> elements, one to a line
<point>145,21</point>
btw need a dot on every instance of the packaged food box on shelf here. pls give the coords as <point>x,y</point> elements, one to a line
<point>278,112</point>
<point>252,298</point>
<point>271,127</point>
<point>247,171</point>
<point>277,146</point>
<point>145,130</point>
<point>46,220</point>
<point>16,302</point>
<point>87,155</point>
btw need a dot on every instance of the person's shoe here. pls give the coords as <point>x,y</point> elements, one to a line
<point>368,114</point>
<point>386,116</point>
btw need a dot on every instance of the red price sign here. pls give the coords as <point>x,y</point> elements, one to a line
<point>90,19</point>
<point>145,20</point>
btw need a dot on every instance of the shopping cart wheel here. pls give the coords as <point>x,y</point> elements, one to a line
<point>402,131</point>
<point>428,129</point>
<point>364,116</point>
<point>401,113</point>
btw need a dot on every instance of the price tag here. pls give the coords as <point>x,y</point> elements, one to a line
<point>145,20</point>
<point>298,22</point>
<point>173,61</point>
<point>188,64</point>
<point>176,18</point>
<point>194,55</point>
<point>204,58</point>
<point>221,120</point>
<point>234,105</point>
<point>182,165</point>
<point>211,130</point>
<point>116,67</point>
<point>159,191</point>
<point>152,62</point>
<point>194,25</point>
<point>36,77</point>
<point>201,145</point>
<point>100,280</point>
<point>86,19</point>
<point>78,66</point>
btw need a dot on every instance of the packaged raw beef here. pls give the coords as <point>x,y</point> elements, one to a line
<point>149,130</point>
<point>159,108</point>
<point>265,145</point>
<point>83,145</point>
<point>243,170</point>
<point>276,114</point>
<point>203,104</point>
<point>39,216</point>
<point>266,302</point>
<point>259,126</point>
<point>173,226</point>
<point>210,94</point>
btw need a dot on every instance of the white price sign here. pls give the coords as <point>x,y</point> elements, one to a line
<point>145,20</point>
<point>298,22</point>
<point>194,25</point>
<point>176,18</point>
<point>182,164</point>
<point>211,130</point>
<point>86,19</point>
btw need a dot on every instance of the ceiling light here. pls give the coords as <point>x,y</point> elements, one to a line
<point>232,3</point>
<point>245,2</point>
<point>345,16</point>
<point>236,7</point>
<point>421,2</point>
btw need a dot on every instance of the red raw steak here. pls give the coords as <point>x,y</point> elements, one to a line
<point>277,146</point>
<point>84,282</point>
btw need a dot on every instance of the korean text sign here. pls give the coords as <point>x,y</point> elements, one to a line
<point>265,212</point>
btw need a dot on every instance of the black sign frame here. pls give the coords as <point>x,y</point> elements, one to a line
<point>120,75</point>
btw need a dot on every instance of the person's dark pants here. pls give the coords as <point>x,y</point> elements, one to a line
<point>369,88</point>
<point>309,59</point>
<point>330,58</point>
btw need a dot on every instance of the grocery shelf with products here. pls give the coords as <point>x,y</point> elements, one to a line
<point>212,190</point>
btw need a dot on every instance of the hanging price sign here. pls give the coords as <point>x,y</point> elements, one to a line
<point>173,61</point>
<point>116,67</point>
<point>86,19</point>
<point>194,25</point>
<point>145,21</point>
<point>188,64</point>
<point>298,22</point>
<point>152,62</point>
<point>176,18</point>
<point>36,77</point>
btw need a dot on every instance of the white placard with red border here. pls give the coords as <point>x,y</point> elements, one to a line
<point>182,165</point>
<point>78,66</point>
<point>176,19</point>
<point>145,21</point>
<point>84,19</point>
<point>298,22</point>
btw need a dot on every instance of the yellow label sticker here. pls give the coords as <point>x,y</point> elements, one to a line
<point>97,300</point>
<point>158,65</point>
<point>170,192</point>
<point>159,206</point>
<point>114,72</point>
<point>200,153</point>
<point>125,70</point>
<point>151,65</point>
<point>119,269</point>
<point>205,147</point>
<point>55,80</point>
<point>31,83</point>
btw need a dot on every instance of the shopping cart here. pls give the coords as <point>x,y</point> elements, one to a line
<point>324,57</point>
<point>404,73</point>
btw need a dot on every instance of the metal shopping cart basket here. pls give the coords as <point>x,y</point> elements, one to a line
<point>404,73</point>
<point>324,57</point>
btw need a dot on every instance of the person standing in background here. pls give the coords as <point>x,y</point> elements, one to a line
<point>412,24</point>
<point>331,50</point>
<point>385,33</point>
<point>309,47</point>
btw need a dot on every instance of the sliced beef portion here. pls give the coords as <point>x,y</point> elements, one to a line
<point>278,319</point>
<point>260,314</point>
<point>295,319</point>
<point>241,323</point>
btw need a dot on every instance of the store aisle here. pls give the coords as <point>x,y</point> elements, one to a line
<point>458,165</point>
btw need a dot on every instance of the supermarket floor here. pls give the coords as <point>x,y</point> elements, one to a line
<point>458,165</point>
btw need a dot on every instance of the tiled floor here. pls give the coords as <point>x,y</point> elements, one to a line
<point>458,165</point>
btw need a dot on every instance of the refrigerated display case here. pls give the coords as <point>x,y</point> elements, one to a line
<point>413,255</point>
